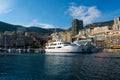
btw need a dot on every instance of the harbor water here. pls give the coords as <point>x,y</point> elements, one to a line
<point>62,66</point>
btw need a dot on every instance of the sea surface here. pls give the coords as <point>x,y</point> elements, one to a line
<point>62,66</point>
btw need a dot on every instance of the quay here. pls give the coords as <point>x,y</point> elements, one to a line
<point>42,50</point>
<point>19,50</point>
<point>111,50</point>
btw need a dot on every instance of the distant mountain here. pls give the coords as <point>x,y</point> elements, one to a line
<point>100,24</point>
<point>10,27</point>
<point>43,30</point>
<point>7,27</point>
<point>56,29</point>
<point>38,30</point>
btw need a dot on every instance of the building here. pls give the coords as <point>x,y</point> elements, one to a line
<point>116,25</point>
<point>113,37</point>
<point>107,37</point>
<point>1,39</point>
<point>8,39</point>
<point>21,30</point>
<point>76,26</point>
<point>20,39</point>
<point>20,42</point>
<point>66,36</point>
<point>32,34</point>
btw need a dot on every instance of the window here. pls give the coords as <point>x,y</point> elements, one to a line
<point>65,45</point>
<point>59,47</point>
<point>51,47</point>
<point>52,44</point>
<point>118,27</point>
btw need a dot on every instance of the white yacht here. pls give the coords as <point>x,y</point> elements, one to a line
<point>62,46</point>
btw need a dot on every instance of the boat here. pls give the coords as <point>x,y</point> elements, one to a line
<point>60,46</point>
<point>87,46</point>
<point>11,50</point>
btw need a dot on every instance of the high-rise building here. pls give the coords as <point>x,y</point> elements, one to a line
<point>116,25</point>
<point>21,30</point>
<point>1,39</point>
<point>76,26</point>
<point>20,40</point>
<point>8,40</point>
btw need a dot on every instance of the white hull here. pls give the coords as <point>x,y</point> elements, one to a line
<point>60,46</point>
<point>65,49</point>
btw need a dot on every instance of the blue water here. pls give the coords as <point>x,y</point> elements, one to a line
<point>99,66</point>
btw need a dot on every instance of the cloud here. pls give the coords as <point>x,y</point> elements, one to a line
<point>42,25</point>
<point>87,14</point>
<point>47,26</point>
<point>5,6</point>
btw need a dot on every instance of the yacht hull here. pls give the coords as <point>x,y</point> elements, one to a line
<point>67,49</point>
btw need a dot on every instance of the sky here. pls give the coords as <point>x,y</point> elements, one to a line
<point>57,13</point>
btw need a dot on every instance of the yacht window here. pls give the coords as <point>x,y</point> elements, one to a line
<point>52,44</point>
<point>65,45</point>
<point>51,47</point>
<point>59,47</point>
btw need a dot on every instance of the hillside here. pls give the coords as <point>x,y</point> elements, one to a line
<point>7,27</point>
<point>10,27</point>
<point>100,24</point>
<point>43,30</point>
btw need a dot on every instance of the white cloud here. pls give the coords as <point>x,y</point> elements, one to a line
<point>47,26</point>
<point>42,25</point>
<point>87,14</point>
<point>5,6</point>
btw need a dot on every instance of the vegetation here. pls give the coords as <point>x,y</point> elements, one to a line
<point>9,27</point>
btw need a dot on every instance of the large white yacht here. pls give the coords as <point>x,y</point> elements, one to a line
<point>62,46</point>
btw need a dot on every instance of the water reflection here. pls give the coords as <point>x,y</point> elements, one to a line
<point>60,66</point>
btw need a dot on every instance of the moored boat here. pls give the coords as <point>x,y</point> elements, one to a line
<point>87,46</point>
<point>62,46</point>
